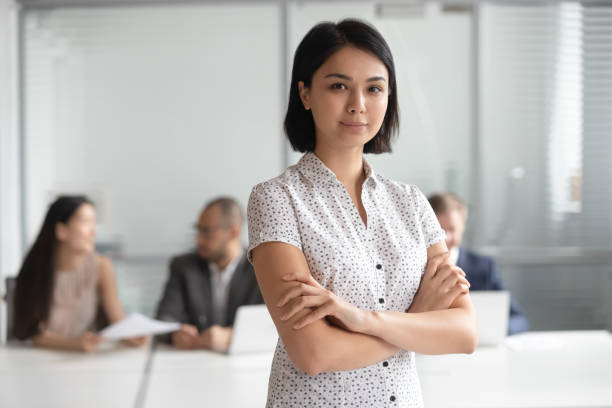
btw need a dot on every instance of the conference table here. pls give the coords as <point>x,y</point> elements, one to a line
<point>535,369</point>
<point>47,378</point>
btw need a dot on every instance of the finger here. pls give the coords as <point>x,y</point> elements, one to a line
<point>450,282</point>
<point>433,263</point>
<point>454,277</point>
<point>452,294</point>
<point>301,303</point>
<point>457,270</point>
<point>313,316</point>
<point>307,279</point>
<point>312,281</point>
<point>183,338</point>
<point>88,335</point>
<point>293,276</point>
<point>187,333</point>
<point>91,345</point>
<point>189,329</point>
<point>443,272</point>
<point>298,290</point>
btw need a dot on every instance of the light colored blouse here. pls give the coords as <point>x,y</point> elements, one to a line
<point>75,299</point>
<point>378,267</point>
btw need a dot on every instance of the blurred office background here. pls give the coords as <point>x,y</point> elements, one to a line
<point>154,107</point>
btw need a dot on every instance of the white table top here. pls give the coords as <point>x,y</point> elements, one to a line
<point>47,378</point>
<point>537,369</point>
<point>208,379</point>
<point>545,369</point>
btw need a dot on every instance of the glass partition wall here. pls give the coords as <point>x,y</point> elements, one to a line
<point>152,109</point>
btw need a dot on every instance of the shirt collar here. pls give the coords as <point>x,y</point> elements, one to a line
<point>318,173</point>
<point>454,255</point>
<point>229,269</point>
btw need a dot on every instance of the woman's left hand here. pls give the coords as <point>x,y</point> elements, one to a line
<point>308,293</point>
<point>137,341</point>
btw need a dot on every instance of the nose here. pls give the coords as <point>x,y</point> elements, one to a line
<point>356,103</point>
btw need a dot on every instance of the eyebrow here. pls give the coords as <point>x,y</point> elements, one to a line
<point>348,78</point>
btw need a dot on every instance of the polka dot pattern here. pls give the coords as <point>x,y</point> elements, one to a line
<point>374,267</point>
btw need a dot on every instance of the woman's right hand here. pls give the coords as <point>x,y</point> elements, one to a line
<point>88,342</point>
<point>308,293</point>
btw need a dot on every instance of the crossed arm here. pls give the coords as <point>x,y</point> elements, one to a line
<point>365,337</point>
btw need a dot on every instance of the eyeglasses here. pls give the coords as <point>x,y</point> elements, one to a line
<point>208,231</point>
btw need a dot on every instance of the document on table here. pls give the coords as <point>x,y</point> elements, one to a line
<point>136,325</point>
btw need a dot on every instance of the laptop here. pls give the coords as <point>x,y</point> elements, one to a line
<point>254,331</point>
<point>492,313</point>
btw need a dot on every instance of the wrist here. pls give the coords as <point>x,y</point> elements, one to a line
<point>371,321</point>
<point>76,344</point>
<point>201,342</point>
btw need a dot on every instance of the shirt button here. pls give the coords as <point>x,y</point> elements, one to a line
<point>381,300</point>
<point>385,364</point>
<point>392,398</point>
<point>379,266</point>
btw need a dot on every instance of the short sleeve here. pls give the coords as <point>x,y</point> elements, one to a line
<point>430,226</point>
<point>271,217</point>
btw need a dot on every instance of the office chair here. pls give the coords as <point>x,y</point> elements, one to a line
<point>11,282</point>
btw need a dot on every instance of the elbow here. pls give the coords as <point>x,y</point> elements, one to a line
<point>470,339</point>
<point>470,343</point>
<point>308,361</point>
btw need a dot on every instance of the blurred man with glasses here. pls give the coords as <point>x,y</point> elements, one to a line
<point>206,286</point>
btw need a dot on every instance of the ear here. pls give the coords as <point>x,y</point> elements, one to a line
<point>304,92</point>
<point>60,231</point>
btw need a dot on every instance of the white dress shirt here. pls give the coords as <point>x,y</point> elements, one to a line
<point>454,255</point>
<point>220,283</point>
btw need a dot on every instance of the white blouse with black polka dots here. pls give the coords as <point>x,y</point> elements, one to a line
<point>377,267</point>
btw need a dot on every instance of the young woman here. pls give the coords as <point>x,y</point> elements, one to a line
<point>62,280</point>
<point>338,250</point>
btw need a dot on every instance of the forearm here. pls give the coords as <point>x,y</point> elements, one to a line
<point>322,347</point>
<point>437,332</point>
<point>317,347</point>
<point>49,339</point>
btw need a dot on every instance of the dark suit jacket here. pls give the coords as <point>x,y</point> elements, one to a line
<point>188,295</point>
<point>482,274</point>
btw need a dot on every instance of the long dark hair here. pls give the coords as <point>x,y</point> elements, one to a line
<point>35,281</point>
<point>316,47</point>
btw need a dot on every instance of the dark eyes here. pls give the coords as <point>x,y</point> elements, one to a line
<point>340,86</point>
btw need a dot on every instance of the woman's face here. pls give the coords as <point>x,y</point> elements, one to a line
<point>79,232</point>
<point>348,97</point>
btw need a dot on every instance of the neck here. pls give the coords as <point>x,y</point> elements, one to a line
<point>232,252</point>
<point>346,164</point>
<point>68,259</point>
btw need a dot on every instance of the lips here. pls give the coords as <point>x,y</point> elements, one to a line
<point>354,125</point>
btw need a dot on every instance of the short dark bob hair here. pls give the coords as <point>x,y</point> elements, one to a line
<point>318,45</point>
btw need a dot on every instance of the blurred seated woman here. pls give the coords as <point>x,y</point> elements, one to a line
<point>63,281</point>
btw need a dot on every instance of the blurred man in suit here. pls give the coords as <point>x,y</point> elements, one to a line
<point>206,286</point>
<point>481,272</point>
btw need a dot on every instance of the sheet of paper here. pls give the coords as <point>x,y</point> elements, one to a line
<point>136,325</point>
